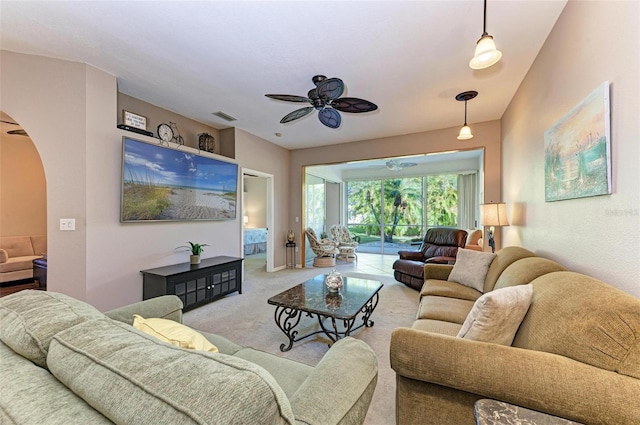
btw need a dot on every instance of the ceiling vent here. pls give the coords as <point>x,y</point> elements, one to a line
<point>224,116</point>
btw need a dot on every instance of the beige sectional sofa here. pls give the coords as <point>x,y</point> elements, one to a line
<point>575,355</point>
<point>64,362</point>
<point>17,254</point>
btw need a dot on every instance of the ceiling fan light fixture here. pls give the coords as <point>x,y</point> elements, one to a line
<point>486,52</point>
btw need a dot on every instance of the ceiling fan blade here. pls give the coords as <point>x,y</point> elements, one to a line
<point>331,88</point>
<point>329,117</point>
<point>288,97</point>
<point>298,113</point>
<point>353,104</point>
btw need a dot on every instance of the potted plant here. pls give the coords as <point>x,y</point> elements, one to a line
<point>196,250</point>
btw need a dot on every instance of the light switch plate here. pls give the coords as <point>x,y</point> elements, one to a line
<point>67,224</point>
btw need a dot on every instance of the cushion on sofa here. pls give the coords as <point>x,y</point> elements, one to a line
<point>173,333</point>
<point>17,246</point>
<point>14,264</point>
<point>471,268</point>
<point>33,396</point>
<point>526,270</point>
<point>167,384</point>
<point>582,318</point>
<point>31,318</point>
<point>443,308</point>
<point>496,316</point>
<point>445,288</point>
<point>504,258</point>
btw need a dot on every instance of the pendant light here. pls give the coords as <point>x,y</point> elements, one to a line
<point>465,131</point>
<point>486,52</point>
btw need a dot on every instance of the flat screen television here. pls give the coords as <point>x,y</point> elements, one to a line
<point>164,184</point>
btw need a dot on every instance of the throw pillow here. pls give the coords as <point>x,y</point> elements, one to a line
<point>174,333</point>
<point>471,268</point>
<point>496,316</point>
<point>3,256</point>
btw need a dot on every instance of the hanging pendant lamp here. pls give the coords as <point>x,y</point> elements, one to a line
<point>465,131</point>
<point>486,52</point>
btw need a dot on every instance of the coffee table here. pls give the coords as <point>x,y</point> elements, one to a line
<point>312,298</point>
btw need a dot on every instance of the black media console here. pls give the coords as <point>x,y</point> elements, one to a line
<point>195,284</point>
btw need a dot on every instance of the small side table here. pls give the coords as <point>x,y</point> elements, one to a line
<point>40,272</point>
<point>291,255</point>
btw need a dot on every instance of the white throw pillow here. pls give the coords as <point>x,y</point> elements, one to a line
<point>496,316</point>
<point>471,268</point>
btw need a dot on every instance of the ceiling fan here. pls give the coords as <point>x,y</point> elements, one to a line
<point>395,165</point>
<point>325,98</point>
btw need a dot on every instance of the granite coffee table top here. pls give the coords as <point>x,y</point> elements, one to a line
<point>494,412</point>
<point>313,296</point>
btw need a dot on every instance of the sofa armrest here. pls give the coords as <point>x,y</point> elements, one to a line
<point>340,388</point>
<point>437,271</point>
<point>411,255</point>
<point>3,256</point>
<point>536,380</point>
<point>164,307</point>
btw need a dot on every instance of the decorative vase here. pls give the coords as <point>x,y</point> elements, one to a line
<point>290,236</point>
<point>333,281</point>
<point>194,259</point>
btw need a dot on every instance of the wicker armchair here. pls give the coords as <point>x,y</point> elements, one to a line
<point>325,249</point>
<point>346,244</point>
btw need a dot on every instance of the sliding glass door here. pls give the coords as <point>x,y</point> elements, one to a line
<point>394,213</point>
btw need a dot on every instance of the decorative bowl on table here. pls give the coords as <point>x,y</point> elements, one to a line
<point>333,281</point>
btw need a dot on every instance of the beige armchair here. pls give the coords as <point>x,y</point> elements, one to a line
<point>346,245</point>
<point>325,249</point>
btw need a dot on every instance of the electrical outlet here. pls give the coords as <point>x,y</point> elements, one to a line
<point>297,219</point>
<point>67,224</point>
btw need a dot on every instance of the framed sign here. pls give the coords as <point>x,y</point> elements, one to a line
<point>134,120</point>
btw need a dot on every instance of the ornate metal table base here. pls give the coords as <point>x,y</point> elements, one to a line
<point>288,318</point>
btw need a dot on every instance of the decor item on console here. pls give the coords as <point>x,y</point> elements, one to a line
<point>493,215</point>
<point>290,236</point>
<point>196,251</point>
<point>170,133</point>
<point>440,245</point>
<point>81,366</point>
<point>570,349</point>
<point>578,150</point>
<point>165,184</point>
<point>206,142</point>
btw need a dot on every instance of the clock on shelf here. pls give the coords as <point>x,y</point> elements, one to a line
<point>165,133</point>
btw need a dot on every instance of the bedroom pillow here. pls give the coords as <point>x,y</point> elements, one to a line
<point>496,316</point>
<point>174,333</point>
<point>471,268</point>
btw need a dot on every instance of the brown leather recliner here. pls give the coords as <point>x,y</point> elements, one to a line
<point>440,245</point>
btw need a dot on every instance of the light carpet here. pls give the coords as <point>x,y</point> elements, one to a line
<point>248,320</point>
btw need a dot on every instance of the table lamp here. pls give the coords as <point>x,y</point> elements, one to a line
<point>493,215</point>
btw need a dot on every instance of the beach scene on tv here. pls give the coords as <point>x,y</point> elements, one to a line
<point>161,183</point>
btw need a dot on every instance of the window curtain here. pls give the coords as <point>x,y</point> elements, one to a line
<point>467,200</point>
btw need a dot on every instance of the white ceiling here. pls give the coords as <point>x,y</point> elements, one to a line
<point>199,57</point>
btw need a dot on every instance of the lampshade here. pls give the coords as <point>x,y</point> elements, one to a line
<point>486,53</point>
<point>465,133</point>
<point>494,214</point>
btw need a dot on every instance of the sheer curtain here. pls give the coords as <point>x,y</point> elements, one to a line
<point>467,200</point>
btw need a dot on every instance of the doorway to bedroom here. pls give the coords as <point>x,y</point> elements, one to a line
<point>257,201</point>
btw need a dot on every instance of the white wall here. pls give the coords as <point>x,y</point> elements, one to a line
<point>592,41</point>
